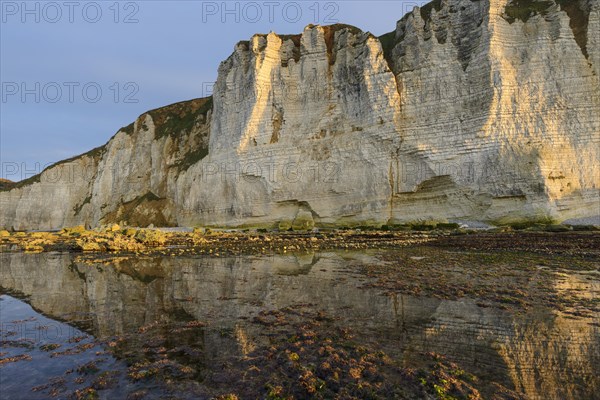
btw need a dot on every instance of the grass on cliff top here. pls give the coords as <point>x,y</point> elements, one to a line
<point>192,158</point>
<point>429,7</point>
<point>128,129</point>
<point>388,42</point>
<point>579,21</point>
<point>179,117</point>
<point>169,120</point>
<point>296,39</point>
<point>95,153</point>
<point>6,184</point>
<point>523,10</point>
<point>330,31</point>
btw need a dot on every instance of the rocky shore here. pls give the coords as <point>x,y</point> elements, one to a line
<point>114,239</point>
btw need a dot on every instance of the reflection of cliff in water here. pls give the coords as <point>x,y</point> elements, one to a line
<point>538,353</point>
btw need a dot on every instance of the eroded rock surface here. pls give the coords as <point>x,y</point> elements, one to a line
<point>469,110</point>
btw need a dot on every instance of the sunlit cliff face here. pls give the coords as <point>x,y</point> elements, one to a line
<point>466,111</point>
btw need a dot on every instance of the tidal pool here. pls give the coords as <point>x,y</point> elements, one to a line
<point>318,325</point>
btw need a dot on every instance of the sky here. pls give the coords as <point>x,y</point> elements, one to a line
<point>74,72</point>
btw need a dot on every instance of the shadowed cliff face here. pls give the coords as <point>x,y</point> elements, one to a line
<point>539,353</point>
<point>469,110</point>
<point>131,178</point>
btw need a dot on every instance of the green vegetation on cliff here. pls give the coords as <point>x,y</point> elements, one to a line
<point>95,153</point>
<point>523,10</point>
<point>429,7</point>
<point>577,10</point>
<point>180,117</point>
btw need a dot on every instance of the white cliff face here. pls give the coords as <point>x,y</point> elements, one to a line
<point>476,110</point>
<point>129,179</point>
<point>312,135</point>
<point>51,199</point>
<point>499,126</point>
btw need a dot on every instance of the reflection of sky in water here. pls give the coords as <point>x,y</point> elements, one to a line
<point>537,351</point>
<point>46,344</point>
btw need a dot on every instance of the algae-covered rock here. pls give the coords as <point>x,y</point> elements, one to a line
<point>129,232</point>
<point>151,237</point>
<point>29,248</point>
<point>73,230</point>
<point>35,246</point>
<point>558,228</point>
<point>90,245</point>
<point>113,228</point>
<point>448,225</point>
<point>303,222</point>
<point>424,226</point>
<point>586,228</point>
<point>285,225</point>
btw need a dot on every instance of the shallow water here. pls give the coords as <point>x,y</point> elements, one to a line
<point>538,352</point>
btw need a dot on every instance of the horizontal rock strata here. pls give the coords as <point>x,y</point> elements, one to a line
<point>480,110</point>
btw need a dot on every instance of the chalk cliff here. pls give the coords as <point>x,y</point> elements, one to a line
<point>480,110</point>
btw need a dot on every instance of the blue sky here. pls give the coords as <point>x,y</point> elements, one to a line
<point>72,73</point>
